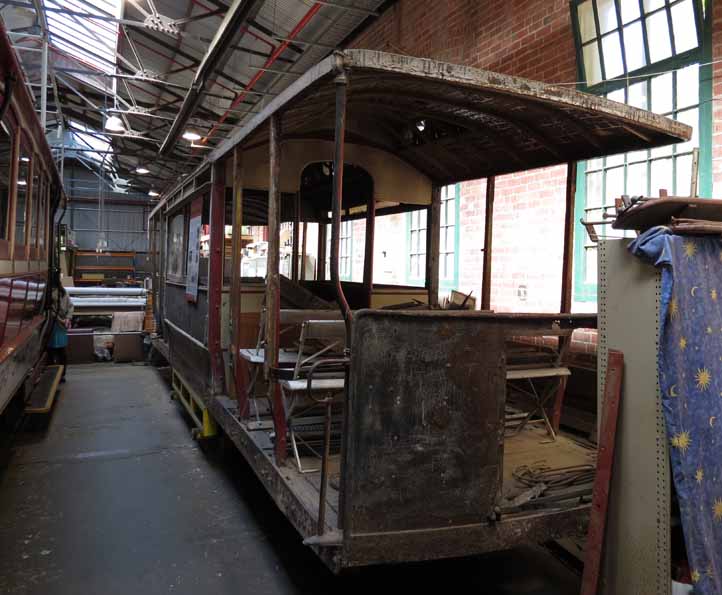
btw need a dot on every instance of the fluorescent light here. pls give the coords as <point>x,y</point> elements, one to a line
<point>195,146</point>
<point>191,135</point>
<point>153,193</point>
<point>25,159</point>
<point>141,170</point>
<point>114,124</point>
<point>22,183</point>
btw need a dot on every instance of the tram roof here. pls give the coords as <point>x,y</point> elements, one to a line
<point>476,123</point>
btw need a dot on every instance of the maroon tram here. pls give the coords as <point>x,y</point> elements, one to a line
<point>30,193</point>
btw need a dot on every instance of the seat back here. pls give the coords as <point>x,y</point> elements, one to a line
<point>319,338</point>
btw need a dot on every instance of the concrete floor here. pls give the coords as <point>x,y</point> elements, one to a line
<point>114,497</point>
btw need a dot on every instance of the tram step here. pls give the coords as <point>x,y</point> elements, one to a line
<point>43,395</point>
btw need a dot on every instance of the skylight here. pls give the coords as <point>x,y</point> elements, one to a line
<point>92,42</point>
<point>87,138</point>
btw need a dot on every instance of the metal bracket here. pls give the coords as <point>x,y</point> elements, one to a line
<point>162,24</point>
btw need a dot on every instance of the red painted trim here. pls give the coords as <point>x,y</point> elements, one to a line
<point>269,62</point>
<point>603,478</point>
<point>215,276</point>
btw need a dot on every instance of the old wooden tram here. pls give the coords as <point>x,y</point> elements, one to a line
<point>380,425</point>
<point>30,193</point>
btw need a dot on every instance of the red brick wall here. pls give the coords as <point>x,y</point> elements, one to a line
<point>530,38</point>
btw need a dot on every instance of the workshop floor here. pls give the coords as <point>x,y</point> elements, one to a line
<point>114,497</point>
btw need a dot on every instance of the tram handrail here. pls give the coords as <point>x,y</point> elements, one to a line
<point>335,364</point>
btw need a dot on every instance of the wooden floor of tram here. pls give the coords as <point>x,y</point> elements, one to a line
<point>114,497</point>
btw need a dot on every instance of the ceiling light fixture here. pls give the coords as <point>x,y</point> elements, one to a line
<point>153,193</point>
<point>421,125</point>
<point>191,135</point>
<point>141,170</point>
<point>114,124</point>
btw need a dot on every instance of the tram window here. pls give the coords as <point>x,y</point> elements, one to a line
<point>205,240</point>
<point>24,169</point>
<point>227,237</point>
<point>34,206</point>
<point>43,213</point>
<point>6,161</point>
<point>176,241</point>
<point>391,249</point>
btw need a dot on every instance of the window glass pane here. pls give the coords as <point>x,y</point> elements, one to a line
<point>614,160</point>
<point>688,86</point>
<point>176,230</point>
<point>617,95</point>
<point>594,189</point>
<point>691,118</point>
<point>649,5</point>
<point>592,68</point>
<point>634,46</point>
<point>636,156</point>
<point>595,163</point>
<point>590,255</point>
<point>630,10</point>
<point>637,179</point>
<point>422,218</point>
<point>661,151</point>
<point>6,153</point>
<point>638,95</point>
<point>612,50</point>
<point>662,175</point>
<point>660,46</point>
<point>607,14</point>
<point>449,267</point>
<point>683,177</point>
<point>662,93</point>
<point>42,212</point>
<point>33,209</point>
<point>685,30</point>
<point>22,196</point>
<point>615,185</point>
<point>451,212</point>
<point>587,30</point>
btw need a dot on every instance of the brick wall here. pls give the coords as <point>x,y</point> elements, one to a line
<point>530,38</point>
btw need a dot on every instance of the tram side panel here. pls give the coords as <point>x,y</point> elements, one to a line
<point>30,191</point>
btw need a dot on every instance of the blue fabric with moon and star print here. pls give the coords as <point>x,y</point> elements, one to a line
<point>690,379</point>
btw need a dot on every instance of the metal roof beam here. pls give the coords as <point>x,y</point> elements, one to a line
<point>238,15</point>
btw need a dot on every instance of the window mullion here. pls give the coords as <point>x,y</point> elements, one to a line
<point>618,8</point>
<point>643,20</point>
<point>670,29</point>
<point>598,41</point>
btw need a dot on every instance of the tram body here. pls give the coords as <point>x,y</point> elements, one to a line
<point>30,193</point>
<point>377,422</point>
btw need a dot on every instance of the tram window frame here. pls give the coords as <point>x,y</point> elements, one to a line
<point>171,276</point>
<point>5,231</point>
<point>43,215</point>
<point>35,199</point>
<point>21,250</point>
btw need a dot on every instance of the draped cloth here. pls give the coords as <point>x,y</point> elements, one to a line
<point>689,365</point>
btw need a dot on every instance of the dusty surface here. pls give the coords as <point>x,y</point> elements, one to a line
<point>114,497</point>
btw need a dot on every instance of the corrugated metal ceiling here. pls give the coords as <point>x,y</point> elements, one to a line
<point>160,44</point>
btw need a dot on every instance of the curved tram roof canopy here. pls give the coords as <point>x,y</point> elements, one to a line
<point>451,123</point>
<point>456,123</point>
